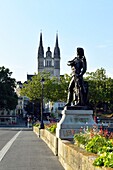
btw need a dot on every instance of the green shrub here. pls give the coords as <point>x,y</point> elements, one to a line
<point>37,125</point>
<point>81,139</point>
<point>95,144</point>
<point>105,159</point>
<point>51,127</point>
<point>98,143</point>
<point>105,155</point>
<point>108,147</point>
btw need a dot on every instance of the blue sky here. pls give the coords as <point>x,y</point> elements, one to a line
<point>80,23</point>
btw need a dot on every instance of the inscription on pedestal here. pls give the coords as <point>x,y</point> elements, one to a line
<point>72,121</point>
<point>68,132</point>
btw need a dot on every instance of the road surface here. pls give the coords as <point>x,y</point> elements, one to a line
<point>21,149</point>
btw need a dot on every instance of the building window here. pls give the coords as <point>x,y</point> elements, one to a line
<point>58,104</point>
<point>49,63</point>
<point>2,120</point>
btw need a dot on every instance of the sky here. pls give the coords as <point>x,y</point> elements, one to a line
<point>79,23</point>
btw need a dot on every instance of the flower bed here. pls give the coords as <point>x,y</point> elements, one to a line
<point>97,142</point>
<point>93,141</point>
<point>51,127</point>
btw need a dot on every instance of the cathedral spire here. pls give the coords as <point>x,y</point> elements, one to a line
<point>56,49</point>
<point>40,49</point>
<point>41,44</point>
<point>56,40</point>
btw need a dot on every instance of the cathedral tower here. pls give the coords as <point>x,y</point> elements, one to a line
<point>51,62</point>
<point>57,59</point>
<point>40,55</point>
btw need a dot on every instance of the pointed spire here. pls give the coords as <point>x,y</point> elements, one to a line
<point>57,40</point>
<point>56,49</point>
<point>41,49</point>
<point>41,44</point>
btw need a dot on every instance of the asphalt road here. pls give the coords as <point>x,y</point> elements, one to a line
<point>21,149</point>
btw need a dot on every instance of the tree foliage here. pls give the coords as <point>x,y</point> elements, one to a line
<point>54,89</point>
<point>100,89</point>
<point>8,97</point>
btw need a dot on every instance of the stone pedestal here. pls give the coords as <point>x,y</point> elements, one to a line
<point>73,119</point>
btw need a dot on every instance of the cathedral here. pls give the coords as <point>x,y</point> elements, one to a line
<point>49,62</point>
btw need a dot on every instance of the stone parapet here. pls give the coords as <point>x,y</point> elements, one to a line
<point>75,158</point>
<point>49,138</point>
<point>70,156</point>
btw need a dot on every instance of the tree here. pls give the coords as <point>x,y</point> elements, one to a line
<point>63,87</point>
<point>54,89</point>
<point>8,97</point>
<point>100,89</point>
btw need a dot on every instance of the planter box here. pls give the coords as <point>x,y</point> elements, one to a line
<point>75,158</point>
<point>71,156</point>
<point>50,139</point>
<point>36,130</point>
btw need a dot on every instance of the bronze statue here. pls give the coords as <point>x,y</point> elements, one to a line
<point>78,88</point>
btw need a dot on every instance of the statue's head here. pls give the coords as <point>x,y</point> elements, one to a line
<point>80,52</point>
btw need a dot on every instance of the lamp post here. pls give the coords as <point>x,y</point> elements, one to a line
<point>33,108</point>
<point>33,114</point>
<point>42,123</point>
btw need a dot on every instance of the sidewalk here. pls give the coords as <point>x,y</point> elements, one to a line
<point>28,152</point>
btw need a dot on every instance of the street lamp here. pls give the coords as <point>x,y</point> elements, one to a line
<point>42,123</point>
<point>33,113</point>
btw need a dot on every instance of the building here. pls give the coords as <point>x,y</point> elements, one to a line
<point>49,62</point>
<point>22,101</point>
<point>7,117</point>
<point>55,108</point>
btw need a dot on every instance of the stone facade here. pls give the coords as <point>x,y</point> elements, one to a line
<point>8,117</point>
